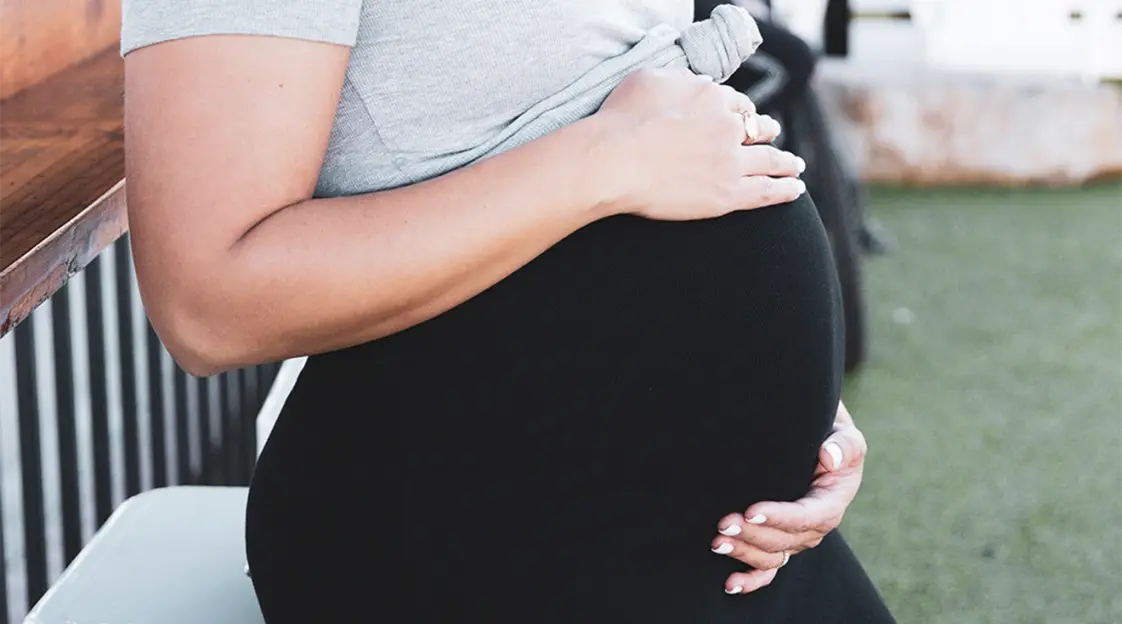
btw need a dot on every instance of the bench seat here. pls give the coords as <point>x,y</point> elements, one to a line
<point>168,556</point>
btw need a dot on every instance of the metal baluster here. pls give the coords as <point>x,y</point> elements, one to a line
<point>11,591</point>
<point>157,429</point>
<point>99,395</point>
<point>251,405</point>
<point>66,426</point>
<point>231,438</point>
<point>206,444</point>
<point>128,367</point>
<point>195,442</point>
<point>182,424</point>
<point>31,463</point>
<point>4,607</point>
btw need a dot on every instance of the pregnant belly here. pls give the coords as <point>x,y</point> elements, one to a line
<point>631,385</point>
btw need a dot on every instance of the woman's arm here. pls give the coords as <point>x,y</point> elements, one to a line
<point>237,265</point>
<point>226,136</point>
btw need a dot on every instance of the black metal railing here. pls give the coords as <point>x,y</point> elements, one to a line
<point>92,411</point>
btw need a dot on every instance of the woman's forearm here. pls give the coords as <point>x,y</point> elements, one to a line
<point>324,274</point>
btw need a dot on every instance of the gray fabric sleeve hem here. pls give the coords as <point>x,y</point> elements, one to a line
<point>147,22</point>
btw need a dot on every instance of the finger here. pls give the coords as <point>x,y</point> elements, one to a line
<point>757,128</point>
<point>818,511</point>
<point>748,582</point>
<point>768,160</point>
<point>751,122</point>
<point>773,540</point>
<point>760,191</point>
<point>768,129</point>
<point>767,539</point>
<point>844,448</point>
<point>747,554</point>
<point>731,525</point>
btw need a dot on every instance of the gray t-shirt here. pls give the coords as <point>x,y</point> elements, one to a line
<point>434,85</point>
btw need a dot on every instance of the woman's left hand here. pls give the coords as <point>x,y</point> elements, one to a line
<point>769,533</point>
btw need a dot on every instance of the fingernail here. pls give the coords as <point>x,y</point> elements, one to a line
<point>800,164</point>
<point>835,453</point>
<point>757,519</point>
<point>735,590</point>
<point>800,186</point>
<point>731,530</point>
<point>723,549</point>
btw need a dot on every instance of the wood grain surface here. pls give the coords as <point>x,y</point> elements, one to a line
<point>61,170</point>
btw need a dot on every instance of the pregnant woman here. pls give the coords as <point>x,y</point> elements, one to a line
<point>572,315</point>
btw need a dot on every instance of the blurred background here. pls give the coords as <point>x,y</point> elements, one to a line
<point>966,156</point>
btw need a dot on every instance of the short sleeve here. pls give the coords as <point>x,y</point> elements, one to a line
<point>146,22</point>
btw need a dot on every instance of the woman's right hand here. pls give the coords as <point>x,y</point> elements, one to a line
<point>680,149</point>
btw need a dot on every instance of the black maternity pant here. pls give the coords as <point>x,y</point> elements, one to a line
<point>560,447</point>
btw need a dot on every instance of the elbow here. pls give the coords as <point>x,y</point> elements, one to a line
<point>204,337</point>
<point>206,308</point>
<point>193,342</point>
<point>199,362</point>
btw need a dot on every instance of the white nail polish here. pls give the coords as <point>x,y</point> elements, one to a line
<point>800,186</point>
<point>757,519</point>
<point>800,164</point>
<point>723,549</point>
<point>835,453</point>
<point>735,590</point>
<point>731,530</point>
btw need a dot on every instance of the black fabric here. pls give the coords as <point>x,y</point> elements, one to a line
<point>560,447</point>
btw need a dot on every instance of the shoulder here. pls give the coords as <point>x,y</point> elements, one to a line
<point>147,22</point>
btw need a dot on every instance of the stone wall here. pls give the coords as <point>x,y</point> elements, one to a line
<point>908,125</point>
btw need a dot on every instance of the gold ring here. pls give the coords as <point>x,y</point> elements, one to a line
<point>751,126</point>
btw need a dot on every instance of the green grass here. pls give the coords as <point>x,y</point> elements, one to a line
<point>993,491</point>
